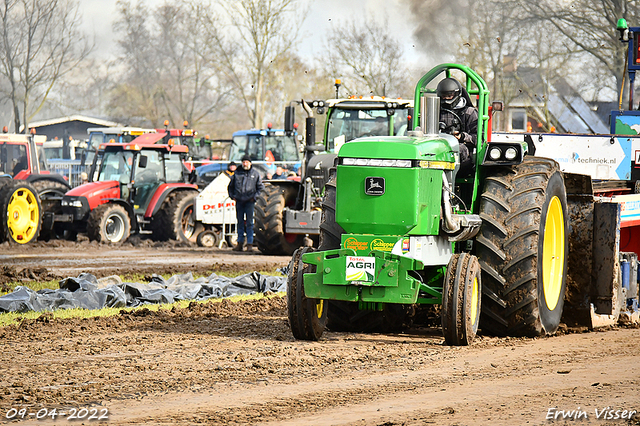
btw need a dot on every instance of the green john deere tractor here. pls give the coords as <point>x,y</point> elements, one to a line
<point>400,228</point>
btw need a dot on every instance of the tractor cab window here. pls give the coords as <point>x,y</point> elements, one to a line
<point>42,160</point>
<point>348,124</point>
<point>250,145</point>
<point>17,159</point>
<point>153,172</point>
<point>198,150</point>
<point>126,138</point>
<point>173,166</point>
<point>282,147</point>
<point>95,139</point>
<point>116,165</point>
<point>13,159</point>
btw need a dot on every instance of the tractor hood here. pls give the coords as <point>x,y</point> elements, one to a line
<point>95,192</point>
<point>432,148</point>
<point>393,185</point>
<point>93,188</point>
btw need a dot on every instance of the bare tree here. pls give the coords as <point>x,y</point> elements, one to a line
<point>190,75</point>
<point>41,43</point>
<point>587,28</point>
<point>170,68</point>
<point>367,55</point>
<point>136,96</point>
<point>268,30</point>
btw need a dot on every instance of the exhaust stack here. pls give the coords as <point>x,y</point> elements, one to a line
<point>430,114</point>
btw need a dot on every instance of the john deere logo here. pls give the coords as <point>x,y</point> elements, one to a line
<point>374,185</point>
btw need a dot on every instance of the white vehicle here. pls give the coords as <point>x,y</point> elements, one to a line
<point>217,213</point>
<point>54,149</point>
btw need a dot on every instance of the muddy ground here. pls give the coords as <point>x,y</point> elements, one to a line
<point>237,363</point>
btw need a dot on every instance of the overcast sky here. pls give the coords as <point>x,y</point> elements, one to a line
<point>98,16</point>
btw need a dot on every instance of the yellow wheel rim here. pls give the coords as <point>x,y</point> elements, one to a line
<point>23,216</point>
<point>319,307</point>
<point>553,254</point>
<point>474,300</point>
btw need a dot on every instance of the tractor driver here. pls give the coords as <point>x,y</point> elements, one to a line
<point>459,118</point>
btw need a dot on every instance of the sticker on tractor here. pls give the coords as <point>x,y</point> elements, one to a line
<point>405,245</point>
<point>352,243</point>
<point>378,244</point>
<point>360,268</point>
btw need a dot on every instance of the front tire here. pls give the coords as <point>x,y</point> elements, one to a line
<point>50,193</point>
<point>307,317</point>
<point>109,223</point>
<point>461,300</point>
<point>523,247</point>
<point>270,235</point>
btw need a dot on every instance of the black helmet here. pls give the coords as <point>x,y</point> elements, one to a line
<point>449,88</point>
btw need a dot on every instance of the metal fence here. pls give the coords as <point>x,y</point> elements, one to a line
<point>70,169</point>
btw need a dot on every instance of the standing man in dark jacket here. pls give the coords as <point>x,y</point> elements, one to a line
<point>244,187</point>
<point>459,118</point>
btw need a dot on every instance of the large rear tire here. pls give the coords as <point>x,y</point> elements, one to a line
<point>523,248</point>
<point>307,317</point>
<point>21,212</point>
<point>270,236</point>
<point>109,223</point>
<point>176,219</point>
<point>461,300</point>
<point>50,193</point>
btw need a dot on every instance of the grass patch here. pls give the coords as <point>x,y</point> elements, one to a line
<point>16,317</point>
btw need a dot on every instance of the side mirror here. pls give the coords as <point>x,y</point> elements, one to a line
<point>142,162</point>
<point>497,106</point>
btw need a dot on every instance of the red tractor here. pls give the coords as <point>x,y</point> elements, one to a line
<point>137,187</point>
<point>29,194</point>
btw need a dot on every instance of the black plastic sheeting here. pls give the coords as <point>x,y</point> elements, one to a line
<point>87,292</point>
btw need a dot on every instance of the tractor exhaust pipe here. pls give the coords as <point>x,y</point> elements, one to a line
<point>458,227</point>
<point>310,132</point>
<point>430,114</point>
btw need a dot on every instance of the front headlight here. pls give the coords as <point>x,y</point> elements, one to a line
<point>72,203</point>
<point>510,153</point>
<point>495,153</point>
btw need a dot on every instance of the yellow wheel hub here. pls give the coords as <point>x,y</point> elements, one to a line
<point>23,216</point>
<point>319,307</point>
<point>553,254</point>
<point>474,300</point>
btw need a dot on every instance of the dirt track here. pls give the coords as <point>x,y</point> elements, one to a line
<point>224,363</point>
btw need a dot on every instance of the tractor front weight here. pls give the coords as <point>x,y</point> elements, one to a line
<point>379,277</point>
